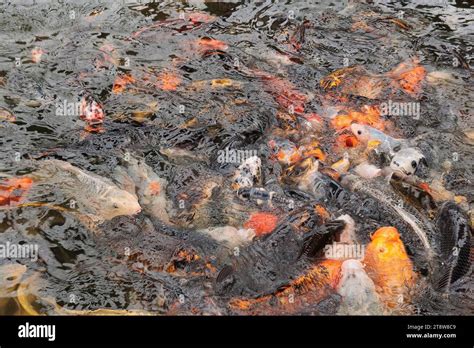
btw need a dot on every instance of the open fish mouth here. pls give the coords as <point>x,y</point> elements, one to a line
<point>402,170</point>
<point>137,211</point>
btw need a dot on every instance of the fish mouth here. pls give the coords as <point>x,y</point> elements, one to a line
<point>403,171</point>
<point>399,171</point>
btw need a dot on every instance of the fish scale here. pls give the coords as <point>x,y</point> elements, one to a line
<point>91,184</point>
<point>418,223</point>
<point>275,260</point>
<point>454,245</point>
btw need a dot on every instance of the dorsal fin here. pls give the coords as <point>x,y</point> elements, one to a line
<point>224,273</point>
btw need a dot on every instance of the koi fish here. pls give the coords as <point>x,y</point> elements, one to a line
<point>357,290</point>
<point>406,160</point>
<point>455,245</point>
<point>248,173</point>
<point>262,223</point>
<point>13,190</point>
<point>389,266</point>
<point>230,235</point>
<point>343,165</point>
<point>36,54</point>
<point>139,179</point>
<point>375,138</point>
<point>10,277</point>
<point>272,262</point>
<point>94,193</point>
<point>284,151</point>
<point>418,222</point>
<point>92,113</point>
<point>367,170</point>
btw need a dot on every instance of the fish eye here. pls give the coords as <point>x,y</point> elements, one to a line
<point>359,132</point>
<point>413,164</point>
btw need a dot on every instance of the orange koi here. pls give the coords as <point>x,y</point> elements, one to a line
<point>262,223</point>
<point>13,190</point>
<point>389,266</point>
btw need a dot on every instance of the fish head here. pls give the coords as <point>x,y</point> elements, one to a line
<point>348,233</point>
<point>284,151</point>
<point>246,235</point>
<point>361,132</point>
<point>302,170</point>
<point>387,245</point>
<point>367,170</point>
<point>351,267</point>
<point>387,261</point>
<point>248,173</point>
<point>119,202</point>
<point>406,161</point>
<point>251,167</point>
<point>389,266</point>
<point>91,111</point>
<point>10,276</point>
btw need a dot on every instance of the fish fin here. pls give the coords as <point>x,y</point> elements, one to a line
<point>455,245</point>
<point>314,242</point>
<point>224,273</point>
<point>443,276</point>
<point>372,144</point>
<point>298,194</point>
<point>283,287</point>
